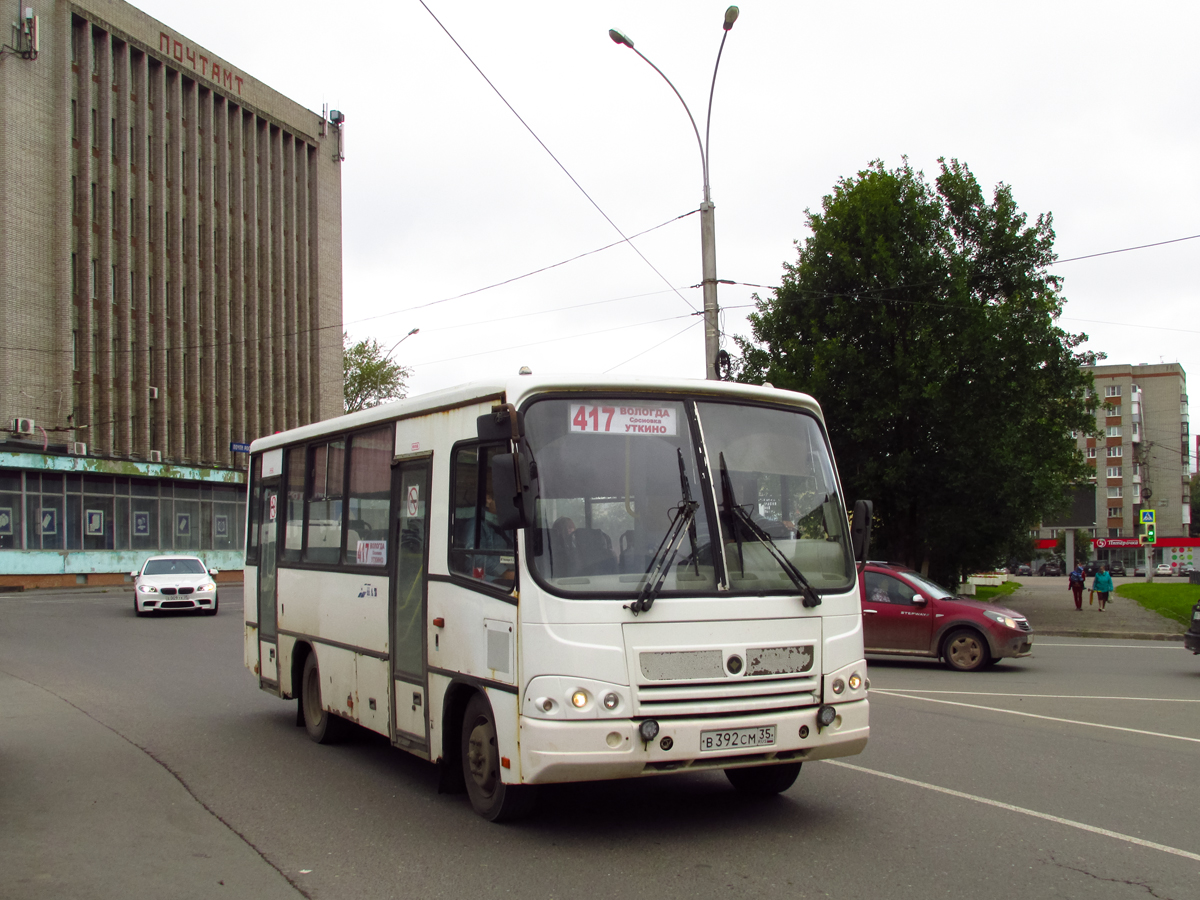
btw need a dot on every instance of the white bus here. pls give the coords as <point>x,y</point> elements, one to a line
<point>559,579</point>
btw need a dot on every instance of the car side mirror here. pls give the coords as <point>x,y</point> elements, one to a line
<point>860,531</point>
<point>134,574</point>
<point>214,571</point>
<point>919,600</point>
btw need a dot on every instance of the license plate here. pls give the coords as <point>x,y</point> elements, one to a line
<point>737,738</point>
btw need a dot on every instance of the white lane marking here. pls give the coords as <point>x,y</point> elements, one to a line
<point>1043,696</point>
<point>1059,820</point>
<point>1016,712</point>
<point>1144,645</point>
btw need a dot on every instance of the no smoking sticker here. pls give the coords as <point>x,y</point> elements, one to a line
<point>413,497</point>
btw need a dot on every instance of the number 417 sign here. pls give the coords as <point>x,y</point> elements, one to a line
<point>623,418</point>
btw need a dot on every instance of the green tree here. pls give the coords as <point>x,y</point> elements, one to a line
<point>922,318</point>
<point>369,377</point>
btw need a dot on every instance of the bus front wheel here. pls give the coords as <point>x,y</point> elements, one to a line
<point>763,781</point>
<point>322,725</point>
<point>491,797</point>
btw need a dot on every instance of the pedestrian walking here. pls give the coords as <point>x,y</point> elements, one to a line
<point>1102,584</point>
<point>1075,582</point>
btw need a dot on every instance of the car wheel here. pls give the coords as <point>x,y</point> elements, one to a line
<point>965,650</point>
<point>322,726</point>
<point>491,797</point>
<point>764,781</point>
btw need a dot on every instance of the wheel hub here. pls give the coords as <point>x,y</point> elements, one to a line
<point>480,753</point>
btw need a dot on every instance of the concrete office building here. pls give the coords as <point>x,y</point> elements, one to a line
<point>170,284</point>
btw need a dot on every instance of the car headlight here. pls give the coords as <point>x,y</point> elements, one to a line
<point>207,586</point>
<point>147,589</point>
<point>1006,621</point>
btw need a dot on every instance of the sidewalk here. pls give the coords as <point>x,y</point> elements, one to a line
<point>1050,608</point>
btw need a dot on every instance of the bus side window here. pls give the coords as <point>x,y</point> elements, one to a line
<point>323,505</point>
<point>478,549</point>
<point>294,506</point>
<point>368,502</point>
<point>252,513</point>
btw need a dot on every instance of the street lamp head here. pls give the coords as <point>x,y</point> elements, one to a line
<point>731,15</point>
<point>619,38</point>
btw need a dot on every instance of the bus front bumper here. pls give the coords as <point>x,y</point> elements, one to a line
<point>560,751</point>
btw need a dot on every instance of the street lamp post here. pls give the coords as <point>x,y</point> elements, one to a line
<point>708,225</point>
<point>401,341</point>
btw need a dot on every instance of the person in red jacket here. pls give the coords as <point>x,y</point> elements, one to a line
<point>1075,583</point>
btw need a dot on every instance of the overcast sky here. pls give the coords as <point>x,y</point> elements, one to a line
<point>1089,111</point>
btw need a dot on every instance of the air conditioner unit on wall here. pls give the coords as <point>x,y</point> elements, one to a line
<point>23,426</point>
<point>156,456</point>
<point>77,448</point>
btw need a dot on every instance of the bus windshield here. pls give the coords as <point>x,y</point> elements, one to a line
<point>614,474</point>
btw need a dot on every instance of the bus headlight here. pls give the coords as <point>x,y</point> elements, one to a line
<point>579,699</point>
<point>611,700</point>
<point>855,681</point>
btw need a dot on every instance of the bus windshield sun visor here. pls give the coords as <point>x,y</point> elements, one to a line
<point>740,519</point>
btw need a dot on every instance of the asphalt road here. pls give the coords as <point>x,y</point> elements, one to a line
<point>139,759</point>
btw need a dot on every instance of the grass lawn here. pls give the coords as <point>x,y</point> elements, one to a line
<point>1175,601</point>
<point>989,592</point>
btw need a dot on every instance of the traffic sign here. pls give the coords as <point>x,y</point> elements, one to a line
<point>1147,517</point>
<point>235,447</point>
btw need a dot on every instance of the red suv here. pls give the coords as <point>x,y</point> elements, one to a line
<point>908,615</point>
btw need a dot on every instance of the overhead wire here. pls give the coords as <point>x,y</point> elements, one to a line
<point>557,161</point>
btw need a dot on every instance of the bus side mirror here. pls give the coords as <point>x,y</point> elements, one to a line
<point>510,491</point>
<point>503,423</point>
<point>860,531</point>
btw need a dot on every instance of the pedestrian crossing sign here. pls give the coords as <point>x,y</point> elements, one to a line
<point>1147,517</point>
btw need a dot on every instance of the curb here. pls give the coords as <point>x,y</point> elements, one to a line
<point>1111,635</point>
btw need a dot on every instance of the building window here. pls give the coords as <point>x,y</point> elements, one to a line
<point>1091,452</point>
<point>1113,410</point>
<point>1114,492</point>
<point>1115,512</point>
<point>1114,471</point>
<point>1114,431</point>
<point>1112,390</point>
<point>1114,452</point>
<point>1114,532</point>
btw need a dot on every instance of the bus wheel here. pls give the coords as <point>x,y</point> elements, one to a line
<point>965,650</point>
<point>491,798</point>
<point>322,726</point>
<point>763,781</point>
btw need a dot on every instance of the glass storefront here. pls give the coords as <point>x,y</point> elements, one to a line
<point>56,511</point>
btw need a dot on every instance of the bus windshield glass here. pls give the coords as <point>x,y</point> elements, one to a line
<point>614,474</point>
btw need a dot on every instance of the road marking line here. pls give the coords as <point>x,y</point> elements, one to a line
<point>1043,696</point>
<point>1059,820</point>
<point>1143,645</point>
<point>1016,712</point>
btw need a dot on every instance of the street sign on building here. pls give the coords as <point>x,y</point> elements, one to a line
<point>235,447</point>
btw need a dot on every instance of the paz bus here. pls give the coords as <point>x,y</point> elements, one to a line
<point>552,579</point>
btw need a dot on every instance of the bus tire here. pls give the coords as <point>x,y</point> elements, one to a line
<point>322,725</point>
<point>764,781</point>
<point>490,796</point>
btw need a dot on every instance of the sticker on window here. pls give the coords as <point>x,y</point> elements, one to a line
<point>372,553</point>
<point>623,418</point>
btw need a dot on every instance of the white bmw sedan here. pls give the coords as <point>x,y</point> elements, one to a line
<point>172,583</point>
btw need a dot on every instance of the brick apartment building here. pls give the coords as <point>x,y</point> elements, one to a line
<point>170,285</point>
<point>1141,463</point>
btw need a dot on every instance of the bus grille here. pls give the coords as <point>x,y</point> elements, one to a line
<point>716,698</point>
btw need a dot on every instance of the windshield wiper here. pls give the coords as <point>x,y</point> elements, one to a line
<point>684,521</point>
<point>742,518</point>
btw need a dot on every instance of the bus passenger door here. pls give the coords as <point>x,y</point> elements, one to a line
<point>268,518</point>
<point>410,538</point>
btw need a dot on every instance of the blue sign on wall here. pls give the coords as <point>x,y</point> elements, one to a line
<point>238,448</point>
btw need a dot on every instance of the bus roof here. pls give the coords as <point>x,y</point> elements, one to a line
<point>519,388</point>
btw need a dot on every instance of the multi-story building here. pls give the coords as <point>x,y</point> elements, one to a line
<point>170,289</point>
<point>1141,462</point>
